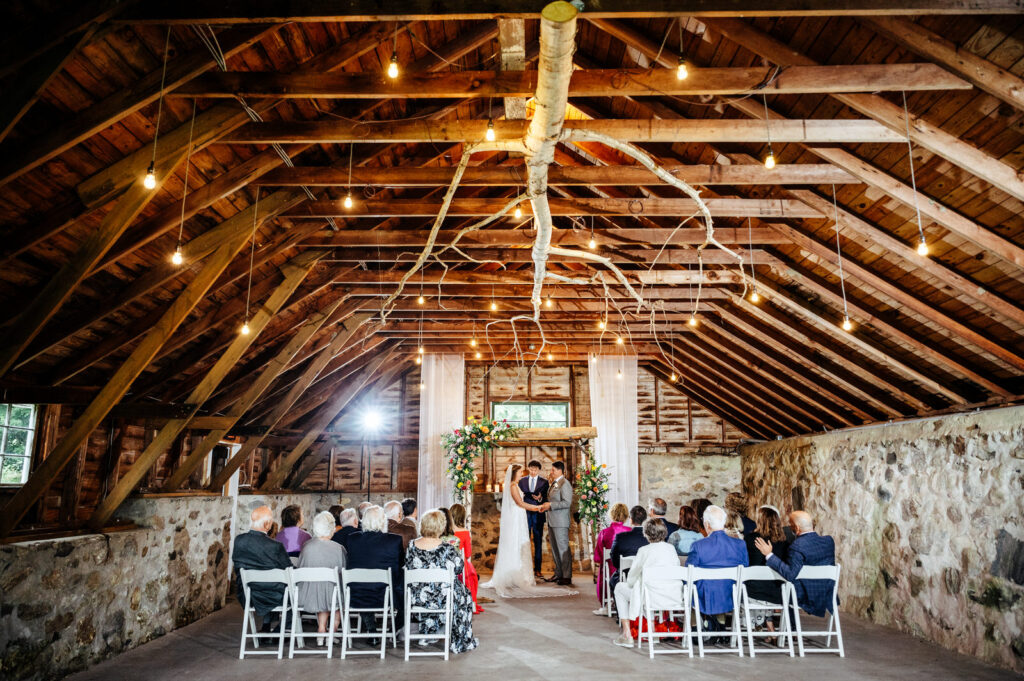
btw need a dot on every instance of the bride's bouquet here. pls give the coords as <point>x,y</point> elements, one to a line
<point>464,444</point>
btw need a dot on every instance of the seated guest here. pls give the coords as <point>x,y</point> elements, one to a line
<point>363,505</point>
<point>716,550</point>
<point>254,550</point>
<point>292,535</point>
<point>321,552</point>
<point>335,512</point>
<point>657,509</point>
<point>628,543</point>
<point>393,511</point>
<point>699,506</point>
<point>428,552</point>
<point>688,532</point>
<point>376,549</point>
<point>809,548</point>
<point>469,575</point>
<point>769,528</point>
<point>737,502</point>
<point>628,600</point>
<point>409,511</point>
<point>349,526</point>
<point>734,524</point>
<point>603,546</point>
<point>448,536</point>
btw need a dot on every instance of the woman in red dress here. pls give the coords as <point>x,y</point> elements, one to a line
<point>469,575</point>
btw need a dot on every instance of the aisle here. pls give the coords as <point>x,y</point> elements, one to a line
<point>555,639</point>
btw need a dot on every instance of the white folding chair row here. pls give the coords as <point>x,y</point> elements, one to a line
<point>446,579</point>
<point>310,575</point>
<point>764,573</point>
<point>697,574</point>
<point>821,572</point>
<point>249,630</point>
<point>665,589</point>
<point>386,612</point>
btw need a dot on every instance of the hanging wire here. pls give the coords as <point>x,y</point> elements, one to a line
<point>160,102</point>
<point>252,251</point>
<point>351,148</point>
<point>753,273</point>
<point>913,179</point>
<point>770,159</point>
<point>188,158</point>
<point>839,256</point>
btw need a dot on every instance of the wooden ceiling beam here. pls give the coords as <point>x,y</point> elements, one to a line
<point>655,257</point>
<point>816,131</point>
<point>584,176</point>
<point>593,277</point>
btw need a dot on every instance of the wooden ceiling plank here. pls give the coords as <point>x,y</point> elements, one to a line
<point>623,237</point>
<point>719,409</point>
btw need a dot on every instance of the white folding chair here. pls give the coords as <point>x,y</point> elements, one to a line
<point>763,573</point>
<point>695,575</point>
<point>606,587</point>
<point>446,579</point>
<point>308,576</point>
<point>833,629</point>
<point>386,611</point>
<point>656,584</point>
<point>249,578</point>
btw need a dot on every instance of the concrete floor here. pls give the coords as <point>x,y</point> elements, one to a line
<point>547,638</point>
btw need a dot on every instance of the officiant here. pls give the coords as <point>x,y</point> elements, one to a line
<point>535,491</point>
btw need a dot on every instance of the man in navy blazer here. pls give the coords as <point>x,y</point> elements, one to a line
<point>535,491</point>
<point>254,550</point>
<point>716,550</point>
<point>809,548</point>
<point>627,544</point>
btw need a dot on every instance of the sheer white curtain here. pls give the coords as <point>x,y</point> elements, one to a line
<point>613,412</point>
<point>442,409</point>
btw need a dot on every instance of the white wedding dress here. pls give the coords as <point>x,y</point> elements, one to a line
<point>513,565</point>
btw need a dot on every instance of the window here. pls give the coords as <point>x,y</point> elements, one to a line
<point>17,434</point>
<point>532,414</point>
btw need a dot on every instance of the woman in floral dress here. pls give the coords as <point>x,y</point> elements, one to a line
<point>427,552</point>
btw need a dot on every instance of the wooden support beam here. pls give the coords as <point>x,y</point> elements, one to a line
<point>985,75</point>
<point>818,131</point>
<point>342,335</point>
<point>455,277</point>
<point>116,388</point>
<point>101,115</point>
<point>327,414</point>
<point>585,176</point>
<point>647,256</point>
<point>295,271</point>
<point>31,320</point>
<point>926,134</point>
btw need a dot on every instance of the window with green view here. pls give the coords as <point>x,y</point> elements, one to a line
<point>532,414</point>
<point>17,434</point>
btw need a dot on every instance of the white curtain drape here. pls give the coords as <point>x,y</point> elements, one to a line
<point>613,411</point>
<point>442,409</point>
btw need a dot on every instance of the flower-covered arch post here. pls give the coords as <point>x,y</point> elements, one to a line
<point>591,492</point>
<point>463,445</point>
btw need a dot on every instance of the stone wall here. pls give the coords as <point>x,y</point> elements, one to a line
<point>927,517</point>
<point>679,478</point>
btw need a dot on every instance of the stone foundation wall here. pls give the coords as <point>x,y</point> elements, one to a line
<point>927,518</point>
<point>679,478</point>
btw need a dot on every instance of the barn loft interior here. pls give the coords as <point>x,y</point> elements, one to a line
<point>570,284</point>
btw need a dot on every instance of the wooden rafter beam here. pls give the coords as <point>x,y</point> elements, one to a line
<point>648,256</point>
<point>816,131</point>
<point>673,277</point>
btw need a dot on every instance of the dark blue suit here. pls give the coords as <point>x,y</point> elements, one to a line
<point>377,551</point>
<point>535,520</point>
<point>254,550</point>
<point>810,548</point>
<point>342,535</point>
<point>624,545</point>
<point>717,550</point>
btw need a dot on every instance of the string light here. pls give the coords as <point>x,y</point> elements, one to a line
<point>593,358</point>
<point>754,295</point>
<point>489,135</point>
<point>550,357</point>
<point>692,321</point>
<point>518,212</point>
<point>847,324</point>
<point>422,384</point>
<point>673,378</point>
<point>601,323</point>
<point>348,195</point>
<point>618,374</point>
<point>421,300</point>
<point>769,161</point>
<point>494,306</point>
<point>681,72</point>
<point>177,258</point>
<point>149,181</point>
<point>245,328</point>
<point>593,243</point>
<point>619,340</point>
<point>922,245</point>
<point>393,66</point>
<point>472,343</point>
<point>252,259</point>
<point>419,361</point>
<point>421,350</point>
<point>549,302</point>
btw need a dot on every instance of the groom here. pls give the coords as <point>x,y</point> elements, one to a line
<point>558,518</point>
<point>535,491</point>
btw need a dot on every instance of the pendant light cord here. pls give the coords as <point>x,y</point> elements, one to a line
<point>252,251</point>
<point>160,101</point>
<point>188,159</point>
<point>839,253</point>
<point>767,124</point>
<point>750,245</point>
<point>910,157</point>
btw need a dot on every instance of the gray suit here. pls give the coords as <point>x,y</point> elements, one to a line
<point>558,519</point>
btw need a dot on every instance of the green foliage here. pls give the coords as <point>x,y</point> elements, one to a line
<point>464,444</point>
<point>592,490</point>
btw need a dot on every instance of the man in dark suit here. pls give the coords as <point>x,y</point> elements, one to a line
<point>809,548</point>
<point>535,491</point>
<point>349,526</point>
<point>254,550</point>
<point>627,544</point>
<point>376,549</point>
<point>393,510</point>
<point>659,507</point>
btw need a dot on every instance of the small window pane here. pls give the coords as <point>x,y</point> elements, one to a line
<point>13,470</point>
<point>549,424</point>
<point>549,412</point>
<point>21,415</point>
<point>512,412</point>
<point>3,414</point>
<point>16,442</point>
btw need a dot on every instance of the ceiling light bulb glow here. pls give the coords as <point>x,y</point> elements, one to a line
<point>177,258</point>
<point>393,67</point>
<point>847,324</point>
<point>348,200</point>
<point>489,135</point>
<point>681,72</point>
<point>769,161</point>
<point>245,329</point>
<point>922,248</point>
<point>149,181</point>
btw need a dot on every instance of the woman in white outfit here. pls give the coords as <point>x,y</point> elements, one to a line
<point>513,564</point>
<point>658,553</point>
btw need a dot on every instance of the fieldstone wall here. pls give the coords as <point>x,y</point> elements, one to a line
<point>679,478</point>
<point>927,518</point>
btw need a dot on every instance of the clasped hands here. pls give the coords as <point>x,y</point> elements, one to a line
<point>542,507</point>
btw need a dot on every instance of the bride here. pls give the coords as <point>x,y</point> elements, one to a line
<point>513,565</point>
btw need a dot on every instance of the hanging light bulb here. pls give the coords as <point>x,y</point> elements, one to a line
<point>494,306</point>
<point>518,212</point>
<point>769,160</point>
<point>393,66</point>
<point>618,374</point>
<point>348,200</point>
<point>478,355</point>
<point>422,385</point>
<point>245,328</point>
<point>421,300</point>
<point>673,377</point>
<point>692,321</point>
<point>421,350</point>
<point>177,258</point>
<point>593,244</point>
<point>549,303</point>
<point>754,296</point>
<point>847,324</point>
<point>681,72</point>
<point>922,248</point>
<point>550,357</point>
<point>600,323</point>
<point>489,135</point>
<point>419,361</point>
<point>472,343</point>
<point>620,340</point>
<point>593,358</point>
<point>149,182</point>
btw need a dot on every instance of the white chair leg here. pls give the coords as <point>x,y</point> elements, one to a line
<point>246,619</point>
<point>799,629</point>
<point>749,624</point>
<point>700,625</point>
<point>839,633</point>
<point>408,625</point>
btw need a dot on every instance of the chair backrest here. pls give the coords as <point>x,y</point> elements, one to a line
<point>277,576</point>
<point>626,562</point>
<point>366,576</point>
<point>697,574</point>
<point>819,572</point>
<point>314,574</point>
<point>429,575</point>
<point>669,573</point>
<point>760,573</point>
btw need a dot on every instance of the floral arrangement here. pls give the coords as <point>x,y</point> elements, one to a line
<point>592,490</point>
<point>464,444</point>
